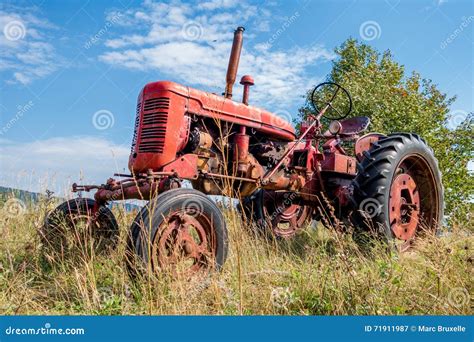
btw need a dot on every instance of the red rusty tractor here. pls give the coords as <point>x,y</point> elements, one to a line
<point>389,185</point>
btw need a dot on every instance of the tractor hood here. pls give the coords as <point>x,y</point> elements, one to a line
<point>206,104</point>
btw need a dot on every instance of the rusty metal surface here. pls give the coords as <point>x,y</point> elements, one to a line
<point>234,59</point>
<point>185,243</point>
<point>241,151</point>
<point>339,163</point>
<point>364,143</point>
<point>247,81</point>
<point>286,217</point>
<point>354,125</point>
<point>404,206</point>
<point>183,167</point>
<point>130,188</point>
<point>291,148</point>
<point>160,120</point>
<point>194,101</point>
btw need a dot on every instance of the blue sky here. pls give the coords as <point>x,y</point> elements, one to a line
<point>71,70</point>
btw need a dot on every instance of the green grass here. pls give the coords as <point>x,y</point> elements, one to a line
<point>320,272</point>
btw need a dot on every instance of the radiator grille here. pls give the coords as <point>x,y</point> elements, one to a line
<point>153,125</point>
<point>135,130</point>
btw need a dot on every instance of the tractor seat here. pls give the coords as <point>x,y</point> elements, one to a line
<point>351,126</point>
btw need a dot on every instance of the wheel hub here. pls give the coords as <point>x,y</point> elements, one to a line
<point>404,206</point>
<point>188,248</point>
<point>285,217</point>
<point>183,247</point>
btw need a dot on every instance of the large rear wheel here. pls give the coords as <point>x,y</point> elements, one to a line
<point>398,191</point>
<point>275,214</point>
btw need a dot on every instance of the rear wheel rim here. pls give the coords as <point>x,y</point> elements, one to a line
<point>404,206</point>
<point>285,218</point>
<point>414,200</point>
<point>290,221</point>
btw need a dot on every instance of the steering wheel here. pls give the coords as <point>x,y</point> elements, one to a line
<point>325,95</point>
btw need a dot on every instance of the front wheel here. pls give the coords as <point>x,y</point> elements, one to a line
<point>181,232</point>
<point>398,191</point>
<point>79,225</point>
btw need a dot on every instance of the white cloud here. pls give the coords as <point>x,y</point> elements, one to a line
<point>25,54</point>
<point>58,162</point>
<point>217,4</point>
<point>191,44</point>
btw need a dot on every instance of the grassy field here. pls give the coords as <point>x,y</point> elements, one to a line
<point>321,272</point>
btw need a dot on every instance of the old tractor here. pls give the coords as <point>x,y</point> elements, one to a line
<point>389,185</point>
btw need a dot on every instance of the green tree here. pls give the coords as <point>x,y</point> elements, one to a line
<point>397,102</point>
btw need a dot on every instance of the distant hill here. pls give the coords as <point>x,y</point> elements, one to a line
<point>25,196</point>
<point>32,197</point>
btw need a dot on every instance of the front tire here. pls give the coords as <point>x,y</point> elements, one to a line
<point>398,192</point>
<point>181,232</point>
<point>79,224</point>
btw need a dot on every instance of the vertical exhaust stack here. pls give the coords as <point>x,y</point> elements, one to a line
<point>234,61</point>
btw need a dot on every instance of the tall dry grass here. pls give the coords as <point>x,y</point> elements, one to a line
<point>321,272</point>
